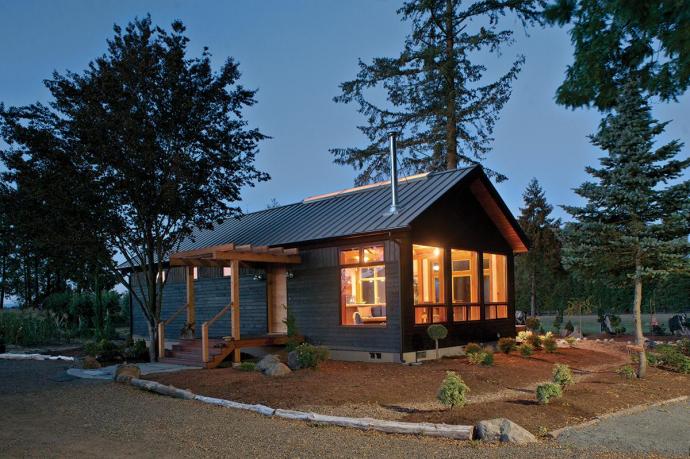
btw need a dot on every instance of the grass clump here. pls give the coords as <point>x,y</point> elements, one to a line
<point>485,357</point>
<point>626,372</point>
<point>526,349</point>
<point>453,390</point>
<point>534,340</point>
<point>670,358</point>
<point>550,344</point>
<point>247,366</point>
<point>562,375</point>
<point>506,345</point>
<point>310,356</point>
<point>547,392</point>
<point>472,348</point>
<point>684,346</point>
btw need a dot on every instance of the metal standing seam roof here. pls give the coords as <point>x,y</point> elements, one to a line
<point>358,211</point>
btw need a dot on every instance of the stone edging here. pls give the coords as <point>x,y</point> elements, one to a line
<point>12,356</point>
<point>635,409</point>
<point>457,432</point>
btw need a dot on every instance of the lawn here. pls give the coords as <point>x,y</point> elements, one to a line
<point>591,326</point>
<point>408,393</point>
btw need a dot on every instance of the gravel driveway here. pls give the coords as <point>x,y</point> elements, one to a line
<point>44,413</point>
<point>664,429</point>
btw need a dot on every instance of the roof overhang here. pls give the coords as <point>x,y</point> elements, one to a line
<point>223,255</point>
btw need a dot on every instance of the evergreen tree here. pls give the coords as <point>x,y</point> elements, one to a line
<point>542,262</point>
<point>616,39</point>
<point>636,219</point>
<point>156,141</point>
<point>438,99</point>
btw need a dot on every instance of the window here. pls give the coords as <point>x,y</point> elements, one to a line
<point>495,286</point>
<point>427,274</point>
<point>465,285</point>
<point>363,286</point>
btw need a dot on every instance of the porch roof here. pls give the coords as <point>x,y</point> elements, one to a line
<point>225,254</point>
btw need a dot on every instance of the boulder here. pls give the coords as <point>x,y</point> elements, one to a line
<point>267,361</point>
<point>277,369</point>
<point>503,430</point>
<point>293,361</point>
<point>125,373</point>
<point>90,363</point>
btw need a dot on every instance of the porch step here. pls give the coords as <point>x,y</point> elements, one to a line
<point>183,361</point>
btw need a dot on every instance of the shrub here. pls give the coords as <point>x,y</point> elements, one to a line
<point>548,391</point>
<point>571,340</point>
<point>488,359</point>
<point>533,323</point>
<point>472,348</point>
<point>475,358</point>
<point>292,332</point>
<point>658,330</point>
<point>310,356</point>
<point>684,346</point>
<point>104,350</point>
<point>524,335</point>
<point>136,350</point>
<point>247,366</point>
<point>626,372</point>
<point>569,326</point>
<point>437,332</point>
<point>550,344</point>
<point>670,358</point>
<point>30,327</point>
<point>526,349</point>
<point>534,340</point>
<point>506,345</point>
<point>562,375</point>
<point>453,390</point>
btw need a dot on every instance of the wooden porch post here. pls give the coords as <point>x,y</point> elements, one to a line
<point>191,311</point>
<point>235,297</point>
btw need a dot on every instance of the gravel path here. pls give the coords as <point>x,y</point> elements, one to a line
<point>665,429</point>
<point>45,413</point>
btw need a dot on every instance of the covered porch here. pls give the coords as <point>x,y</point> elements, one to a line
<point>211,352</point>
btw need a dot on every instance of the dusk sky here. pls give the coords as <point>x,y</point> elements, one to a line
<point>296,53</point>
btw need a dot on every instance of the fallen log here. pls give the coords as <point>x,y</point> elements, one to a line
<point>162,389</point>
<point>261,409</point>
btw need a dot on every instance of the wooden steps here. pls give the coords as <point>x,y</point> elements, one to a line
<point>188,352</point>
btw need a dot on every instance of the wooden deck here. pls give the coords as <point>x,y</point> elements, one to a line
<point>189,351</point>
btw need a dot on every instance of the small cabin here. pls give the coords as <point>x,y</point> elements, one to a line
<point>354,274</point>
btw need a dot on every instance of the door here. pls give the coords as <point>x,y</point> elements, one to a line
<point>277,299</point>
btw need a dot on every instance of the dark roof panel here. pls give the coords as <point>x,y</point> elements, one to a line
<point>358,211</point>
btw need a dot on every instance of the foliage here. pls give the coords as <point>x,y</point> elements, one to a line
<point>438,99</point>
<point>506,345</point>
<point>547,392</point>
<point>626,372</point>
<point>292,332</point>
<point>31,327</point>
<point>533,323</point>
<point>571,340</point>
<point>484,357</point>
<point>136,350</point>
<point>104,350</point>
<point>526,349</point>
<point>143,116</point>
<point>538,270</point>
<point>670,357</point>
<point>453,390</point>
<point>488,359</point>
<point>437,332</point>
<point>549,343</point>
<point>684,346</point>
<point>522,336</point>
<point>247,366</point>
<point>569,327</point>
<point>558,321</point>
<point>659,330</point>
<point>562,375</point>
<point>535,341</point>
<point>636,218</point>
<point>618,40</point>
<point>472,348</point>
<point>310,356</point>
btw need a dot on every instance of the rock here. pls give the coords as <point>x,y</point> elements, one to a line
<point>504,430</point>
<point>267,361</point>
<point>90,363</point>
<point>293,361</point>
<point>277,369</point>
<point>125,373</point>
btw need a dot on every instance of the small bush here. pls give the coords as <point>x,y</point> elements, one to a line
<point>247,366</point>
<point>310,356</point>
<point>670,358</point>
<point>626,372</point>
<point>684,346</point>
<point>488,359</point>
<point>472,348</point>
<point>475,358</point>
<point>526,349</point>
<point>136,350</point>
<point>506,345</point>
<point>562,375</point>
<point>523,336</point>
<point>550,344</point>
<point>571,341</point>
<point>658,330</point>
<point>534,340</point>
<point>533,323</point>
<point>548,391</point>
<point>453,390</point>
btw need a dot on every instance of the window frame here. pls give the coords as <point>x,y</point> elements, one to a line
<point>362,264</point>
<point>468,305</point>
<point>443,286</point>
<point>494,305</point>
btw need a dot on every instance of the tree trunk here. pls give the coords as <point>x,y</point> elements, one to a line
<point>637,311</point>
<point>533,293</point>
<point>450,70</point>
<point>436,349</point>
<point>153,336</point>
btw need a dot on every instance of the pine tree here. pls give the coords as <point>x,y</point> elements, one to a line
<point>636,219</point>
<point>438,99</point>
<point>542,262</point>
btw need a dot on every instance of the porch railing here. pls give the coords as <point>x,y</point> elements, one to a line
<point>161,329</point>
<point>204,332</point>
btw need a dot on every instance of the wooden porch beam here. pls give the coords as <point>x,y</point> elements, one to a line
<point>256,257</point>
<point>205,250</point>
<point>235,311</point>
<point>191,306</point>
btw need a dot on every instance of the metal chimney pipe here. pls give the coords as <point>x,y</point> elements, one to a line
<point>394,172</point>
